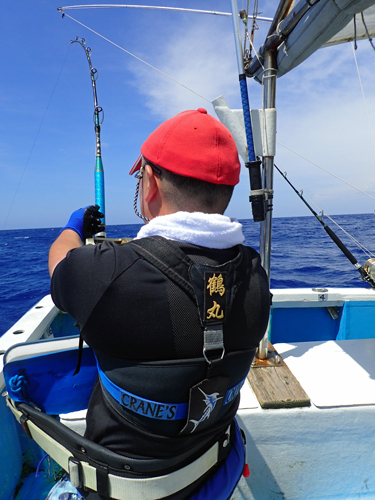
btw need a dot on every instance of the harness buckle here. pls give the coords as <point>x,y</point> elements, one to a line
<point>215,359</point>
<point>213,347</point>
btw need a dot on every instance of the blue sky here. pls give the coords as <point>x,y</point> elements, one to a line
<point>47,139</point>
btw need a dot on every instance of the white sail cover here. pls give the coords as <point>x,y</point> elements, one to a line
<point>347,34</point>
<point>326,23</point>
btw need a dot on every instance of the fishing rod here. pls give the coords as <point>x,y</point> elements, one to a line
<point>99,171</point>
<point>364,275</point>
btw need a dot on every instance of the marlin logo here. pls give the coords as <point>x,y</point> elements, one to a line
<point>210,400</point>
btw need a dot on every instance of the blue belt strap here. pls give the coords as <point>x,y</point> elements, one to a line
<point>232,393</point>
<point>142,406</point>
<point>155,409</point>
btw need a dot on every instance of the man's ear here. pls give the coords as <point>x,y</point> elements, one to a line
<point>151,186</point>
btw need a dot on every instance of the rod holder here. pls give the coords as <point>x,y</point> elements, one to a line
<point>256,194</point>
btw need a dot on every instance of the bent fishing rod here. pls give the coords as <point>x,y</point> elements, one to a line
<point>99,171</point>
<point>364,275</point>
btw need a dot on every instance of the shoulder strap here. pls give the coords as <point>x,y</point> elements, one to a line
<point>199,281</point>
<point>160,251</point>
<point>168,257</point>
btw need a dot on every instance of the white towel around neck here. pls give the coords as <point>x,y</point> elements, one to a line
<point>197,228</point>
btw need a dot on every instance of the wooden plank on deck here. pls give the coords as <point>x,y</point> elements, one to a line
<point>276,386</point>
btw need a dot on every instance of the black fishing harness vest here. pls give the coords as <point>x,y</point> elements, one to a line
<point>171,397</point>
<point>201,389</point>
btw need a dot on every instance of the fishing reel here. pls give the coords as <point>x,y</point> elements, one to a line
<point>369,267</point>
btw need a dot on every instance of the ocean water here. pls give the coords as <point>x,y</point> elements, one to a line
<point>302,256</point>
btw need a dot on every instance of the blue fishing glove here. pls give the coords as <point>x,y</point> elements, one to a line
<point>86,222</point>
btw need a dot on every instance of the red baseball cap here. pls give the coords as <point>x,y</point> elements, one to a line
<point>193,144</point>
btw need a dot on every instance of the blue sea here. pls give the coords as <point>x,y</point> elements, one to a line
<point>302,256</point>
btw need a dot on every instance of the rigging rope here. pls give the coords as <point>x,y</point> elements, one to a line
<point>136,57</point>
<point>367,32</point>
<point>244,15</point>
<point>257,55</point>
<point>254,26</point>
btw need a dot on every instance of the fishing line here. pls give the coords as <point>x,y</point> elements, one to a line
<point>364,275</point>
<point>324,170</point>
<point>364,98</point>
<point>36,138</point>
<point>365,250</point>
<point>136,57</point>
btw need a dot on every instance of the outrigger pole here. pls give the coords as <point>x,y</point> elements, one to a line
<point>152,7</point>
<point>99,171</point>
<point>364,275</point>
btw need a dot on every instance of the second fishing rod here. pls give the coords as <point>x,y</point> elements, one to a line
<point>364,275</point>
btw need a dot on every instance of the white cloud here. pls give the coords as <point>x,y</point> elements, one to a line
<point>199,61</point>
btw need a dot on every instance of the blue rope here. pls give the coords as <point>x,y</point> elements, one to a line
<point>39,465</point>
<point>18,384</point>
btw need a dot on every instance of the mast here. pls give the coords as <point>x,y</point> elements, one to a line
<point>269,82</point>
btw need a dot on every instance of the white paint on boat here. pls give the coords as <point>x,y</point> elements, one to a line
<point>320,297</point>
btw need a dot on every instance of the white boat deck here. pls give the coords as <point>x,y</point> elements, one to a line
<point>334,373</point>
<point>326,450</point>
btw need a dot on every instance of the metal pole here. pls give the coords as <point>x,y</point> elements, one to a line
<point>178,9</point>
<point>266,226</point>
<point>256,198</point>
<point>243,83</point>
